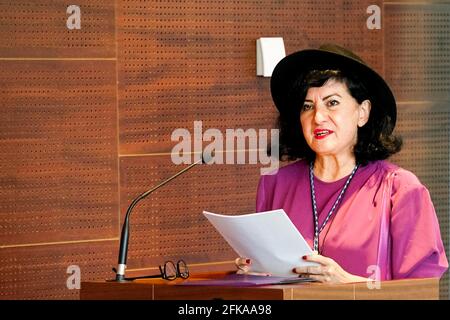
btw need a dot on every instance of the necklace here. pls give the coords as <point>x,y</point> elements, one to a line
<point>317,230</point>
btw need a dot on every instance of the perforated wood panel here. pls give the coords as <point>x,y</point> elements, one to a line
<point>368,44</point>
<point>418,50</point>
<point>181,61</point>
<point>38,29</point>
<point>169,223</point>
<point>41,272</point>
<point>58,160</point>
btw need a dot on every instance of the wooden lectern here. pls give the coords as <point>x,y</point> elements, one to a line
<point>158,289</point>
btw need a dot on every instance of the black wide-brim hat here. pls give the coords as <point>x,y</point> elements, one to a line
<point>330,56</point>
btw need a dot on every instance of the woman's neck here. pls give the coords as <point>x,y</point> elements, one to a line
<point>333,168</point>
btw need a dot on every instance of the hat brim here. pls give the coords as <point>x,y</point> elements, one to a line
<point>293,66</point>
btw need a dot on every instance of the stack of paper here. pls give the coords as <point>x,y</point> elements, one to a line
<point>269,239</point>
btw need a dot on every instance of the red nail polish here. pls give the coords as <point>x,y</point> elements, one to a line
<point>248,261</point>
<point>305,257</point>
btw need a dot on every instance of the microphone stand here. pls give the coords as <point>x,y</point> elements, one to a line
<point>124,237</point>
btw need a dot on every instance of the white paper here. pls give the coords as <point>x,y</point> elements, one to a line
<point>269,239</point>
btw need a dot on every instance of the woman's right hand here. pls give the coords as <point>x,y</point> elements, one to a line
<point>244,266</point>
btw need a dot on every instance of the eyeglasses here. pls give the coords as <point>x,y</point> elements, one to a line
<point>169,271</point>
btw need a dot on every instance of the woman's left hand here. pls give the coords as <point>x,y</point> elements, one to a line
<point>328,271</point>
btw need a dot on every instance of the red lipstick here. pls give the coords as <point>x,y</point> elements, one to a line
<point>322,133</point>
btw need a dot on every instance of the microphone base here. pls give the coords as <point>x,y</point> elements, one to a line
<point>121,281</point>
<point>120,278</point>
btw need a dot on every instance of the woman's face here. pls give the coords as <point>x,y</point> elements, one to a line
<point>330,118</point>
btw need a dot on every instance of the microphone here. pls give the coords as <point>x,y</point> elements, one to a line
<point>123,249</point>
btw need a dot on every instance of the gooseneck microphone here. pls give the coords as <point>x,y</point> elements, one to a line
<point>123,250</point>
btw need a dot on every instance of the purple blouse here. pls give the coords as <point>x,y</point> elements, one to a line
<point>385,219</point>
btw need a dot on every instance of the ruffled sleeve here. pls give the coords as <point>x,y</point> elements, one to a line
<point>417,248</point>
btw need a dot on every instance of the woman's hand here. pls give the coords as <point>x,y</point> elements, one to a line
<point>244,264</point>
<point>328,271</point>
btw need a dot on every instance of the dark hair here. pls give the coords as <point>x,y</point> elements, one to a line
<point>375,139</point>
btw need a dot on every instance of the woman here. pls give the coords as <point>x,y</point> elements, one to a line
<point>364,216</point>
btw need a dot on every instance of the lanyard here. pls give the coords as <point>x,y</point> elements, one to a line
<point>333,208</point>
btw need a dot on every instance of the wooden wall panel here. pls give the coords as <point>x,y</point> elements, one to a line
<point>417,41</point>
<point>58,163</point>
<point>41,272</point>
<point>38,29</point>
<point>181,61</point>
